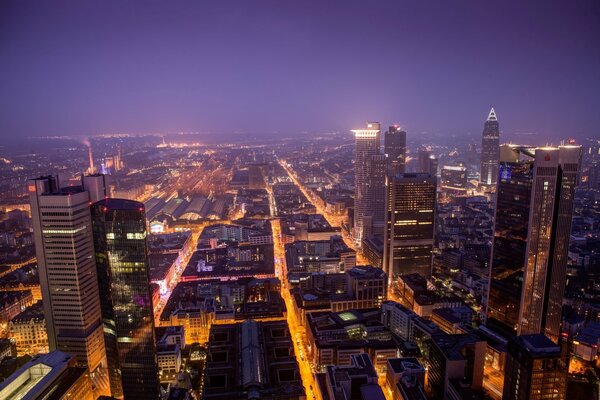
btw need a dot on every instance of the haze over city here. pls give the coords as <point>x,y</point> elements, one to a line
<point>286,68</point>
<point>309,200</point>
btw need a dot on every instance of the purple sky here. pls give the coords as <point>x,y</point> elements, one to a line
<point>71,67</point>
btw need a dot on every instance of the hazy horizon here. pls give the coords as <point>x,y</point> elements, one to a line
<point>270,66</point>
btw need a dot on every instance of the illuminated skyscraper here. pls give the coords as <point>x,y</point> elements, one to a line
<point>369,175</point>
<point>65,255</point>
<point>408,239</point>
<point>535,369</point>
<point>122,261</point>
<point>395,148</point>
<point>490,150</point>
<point>534,209</point>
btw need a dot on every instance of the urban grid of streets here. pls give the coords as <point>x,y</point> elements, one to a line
<point>297,330</point>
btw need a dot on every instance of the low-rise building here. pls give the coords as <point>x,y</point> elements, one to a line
<point>333,337</point>
<point>405,377</point>
<point>372,247</point>
<point>308,227</point>
<point>54,375</point>
<point>450,319</point>
<point>359,288</point>
<point>358,380</point>
<point>328,256</point>
<point>586,342</point>
<point>13,303</point>
<point>252,359</point>
<point>169,361</point>
<point>28,331</point>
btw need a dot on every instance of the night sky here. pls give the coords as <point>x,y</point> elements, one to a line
<point>83,68</point>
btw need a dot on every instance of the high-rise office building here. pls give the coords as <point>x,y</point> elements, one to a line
<point>490,150</point>
<point>123,278</point>
<point>534,209</point>
<point>369,175</point>
<point>408,237</point>
<point>454,179</point>
<point>65,256</point>
<point>395,148</point>
<point>535,369</point>
<point>428,163</point>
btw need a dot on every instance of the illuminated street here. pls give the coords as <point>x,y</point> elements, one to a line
<point>297,331</point>
<point>334,220</point>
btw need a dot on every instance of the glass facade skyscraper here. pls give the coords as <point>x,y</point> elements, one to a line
<point>534,209</point>
<point>123,275</point>
<point>395,147</point>
<point>490,150</point>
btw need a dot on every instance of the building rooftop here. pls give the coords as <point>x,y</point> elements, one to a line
<point>252,359</point>
<point>120,204</point>
<point>538,345</point>
<point>400,365</point>
<point>35,377</point>
<point>35,311</point>
<point>452,345</point>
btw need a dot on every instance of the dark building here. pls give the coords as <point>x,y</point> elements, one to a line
<point>535,369</point>
<point>428,163</point>
<point>531,238</point>
<point>355,381</point>
<point>509,244</point>
<point>123,278</point>
<point>395,148</point>
<point>455,357</point>
<point>408,239</point>
<point>372,247</point>
<point>490,150</point>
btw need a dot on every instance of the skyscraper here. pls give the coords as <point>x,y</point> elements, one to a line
<point>554,184</point>
<point>408,238</point>
<point>123,277</point>
<point>534,209</point>
<point>535,369</point>
<point>369,176</point>
<point>395,148</point>
<point>65,255</point>
<point>490,150</point>
<point>428,163</point>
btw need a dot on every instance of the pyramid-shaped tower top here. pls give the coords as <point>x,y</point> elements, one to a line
<point>492,115</point>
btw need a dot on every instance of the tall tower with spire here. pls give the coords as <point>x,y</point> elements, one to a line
<point>490,150</point>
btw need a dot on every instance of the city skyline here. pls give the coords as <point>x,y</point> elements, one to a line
<point>291,59</point>
<point>388,200</point>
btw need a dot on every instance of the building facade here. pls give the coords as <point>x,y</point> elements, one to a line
<point>369,176</point>
<point>490,150</point>
<point>408,237</point>
<point>535,369</point>
<point>65,254</point>
<point>123,278</point>
<point>395,148</point>
<point>28,330</point>
<point>531,238</point>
